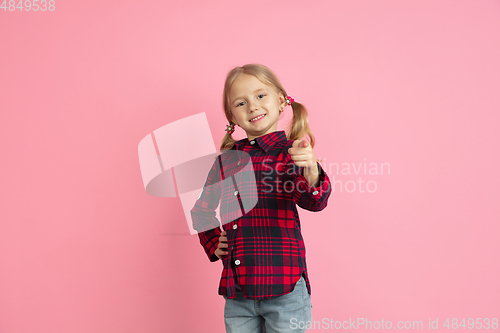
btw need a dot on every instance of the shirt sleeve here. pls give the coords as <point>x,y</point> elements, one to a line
<point>203,213</point>
<point>307,197</point>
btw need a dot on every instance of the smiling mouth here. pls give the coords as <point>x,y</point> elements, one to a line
<point>257,118</point>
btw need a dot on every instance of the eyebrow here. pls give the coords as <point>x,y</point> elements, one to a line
<point>234,100</point>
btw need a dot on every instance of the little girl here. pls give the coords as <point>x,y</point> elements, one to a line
<point>259,181</point>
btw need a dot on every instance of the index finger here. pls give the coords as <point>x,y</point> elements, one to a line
<point>297,151</point>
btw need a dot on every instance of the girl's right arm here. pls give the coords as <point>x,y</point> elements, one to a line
<point>203,213</point>
<point>222,247</point>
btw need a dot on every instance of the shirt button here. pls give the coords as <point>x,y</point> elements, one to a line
<point>235,226</point>
<point>315,192</point>
<point>238,162</point>
<point>237,262</point>
<point>235,192</point>
<point>252,142</point>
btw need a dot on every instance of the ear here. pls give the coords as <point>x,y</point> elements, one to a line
<point>282,100</point>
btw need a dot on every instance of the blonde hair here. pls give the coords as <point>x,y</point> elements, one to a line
<point>300,122</point>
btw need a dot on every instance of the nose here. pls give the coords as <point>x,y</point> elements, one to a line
<point>253,105</point>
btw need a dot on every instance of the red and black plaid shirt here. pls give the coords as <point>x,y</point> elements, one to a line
<point>258,187</point>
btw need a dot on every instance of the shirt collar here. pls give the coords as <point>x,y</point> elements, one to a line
<point>265,142</point>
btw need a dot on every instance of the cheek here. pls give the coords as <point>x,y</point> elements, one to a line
<point>238,116</point>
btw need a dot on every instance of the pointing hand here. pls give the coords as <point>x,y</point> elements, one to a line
<point>302,154</point>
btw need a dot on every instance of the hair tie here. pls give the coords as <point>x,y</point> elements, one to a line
<point>289,100</point>
<point>230,129</point>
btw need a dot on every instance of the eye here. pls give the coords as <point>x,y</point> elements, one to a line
<point>260,96</point>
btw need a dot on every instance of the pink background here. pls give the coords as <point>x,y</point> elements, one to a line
<point>83,247</point>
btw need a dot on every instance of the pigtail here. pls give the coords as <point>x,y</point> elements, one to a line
<point>300,124</point>
<point>227,141</point>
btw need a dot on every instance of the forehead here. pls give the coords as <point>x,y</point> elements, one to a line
<point>246,84</point>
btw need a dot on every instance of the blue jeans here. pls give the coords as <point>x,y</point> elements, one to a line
<point>282,314</point>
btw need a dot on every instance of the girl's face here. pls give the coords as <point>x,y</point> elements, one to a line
<point>255,106</point>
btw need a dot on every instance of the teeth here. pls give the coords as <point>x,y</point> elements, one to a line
<point>254,119</point>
